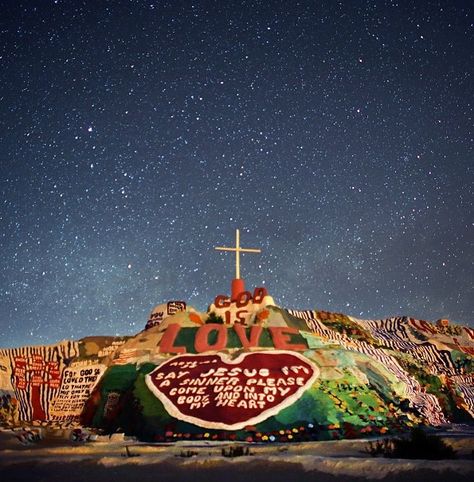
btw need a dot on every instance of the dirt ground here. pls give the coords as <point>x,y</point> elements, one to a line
<point>58,459</point>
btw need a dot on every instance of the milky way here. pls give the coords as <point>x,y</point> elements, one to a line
<point>136,136</point>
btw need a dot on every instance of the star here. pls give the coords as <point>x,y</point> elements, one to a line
<point>338,141</point>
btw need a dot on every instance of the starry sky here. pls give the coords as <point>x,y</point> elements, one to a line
<point>137,136</point>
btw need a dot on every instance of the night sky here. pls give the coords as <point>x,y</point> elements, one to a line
<point>137,136</point>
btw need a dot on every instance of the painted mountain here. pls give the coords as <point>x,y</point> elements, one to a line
<point>247,370</point>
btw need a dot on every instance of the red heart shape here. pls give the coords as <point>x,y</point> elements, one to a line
<point>214,391</point>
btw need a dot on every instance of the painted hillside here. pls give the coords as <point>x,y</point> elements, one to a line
<point>268,374</point>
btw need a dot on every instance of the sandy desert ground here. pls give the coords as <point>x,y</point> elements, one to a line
<point>55,458</point>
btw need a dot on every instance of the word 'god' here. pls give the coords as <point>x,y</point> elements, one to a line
<point>240,308</point>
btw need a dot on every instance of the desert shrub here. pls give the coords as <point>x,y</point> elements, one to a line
<point>237,451</point>
<point>422,446</point>
<point>379,448</point>
<point>187,453</point>
<point>418,446</point>
<point>213,318</point>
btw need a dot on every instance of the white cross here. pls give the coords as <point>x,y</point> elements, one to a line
<point>237,251</point>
